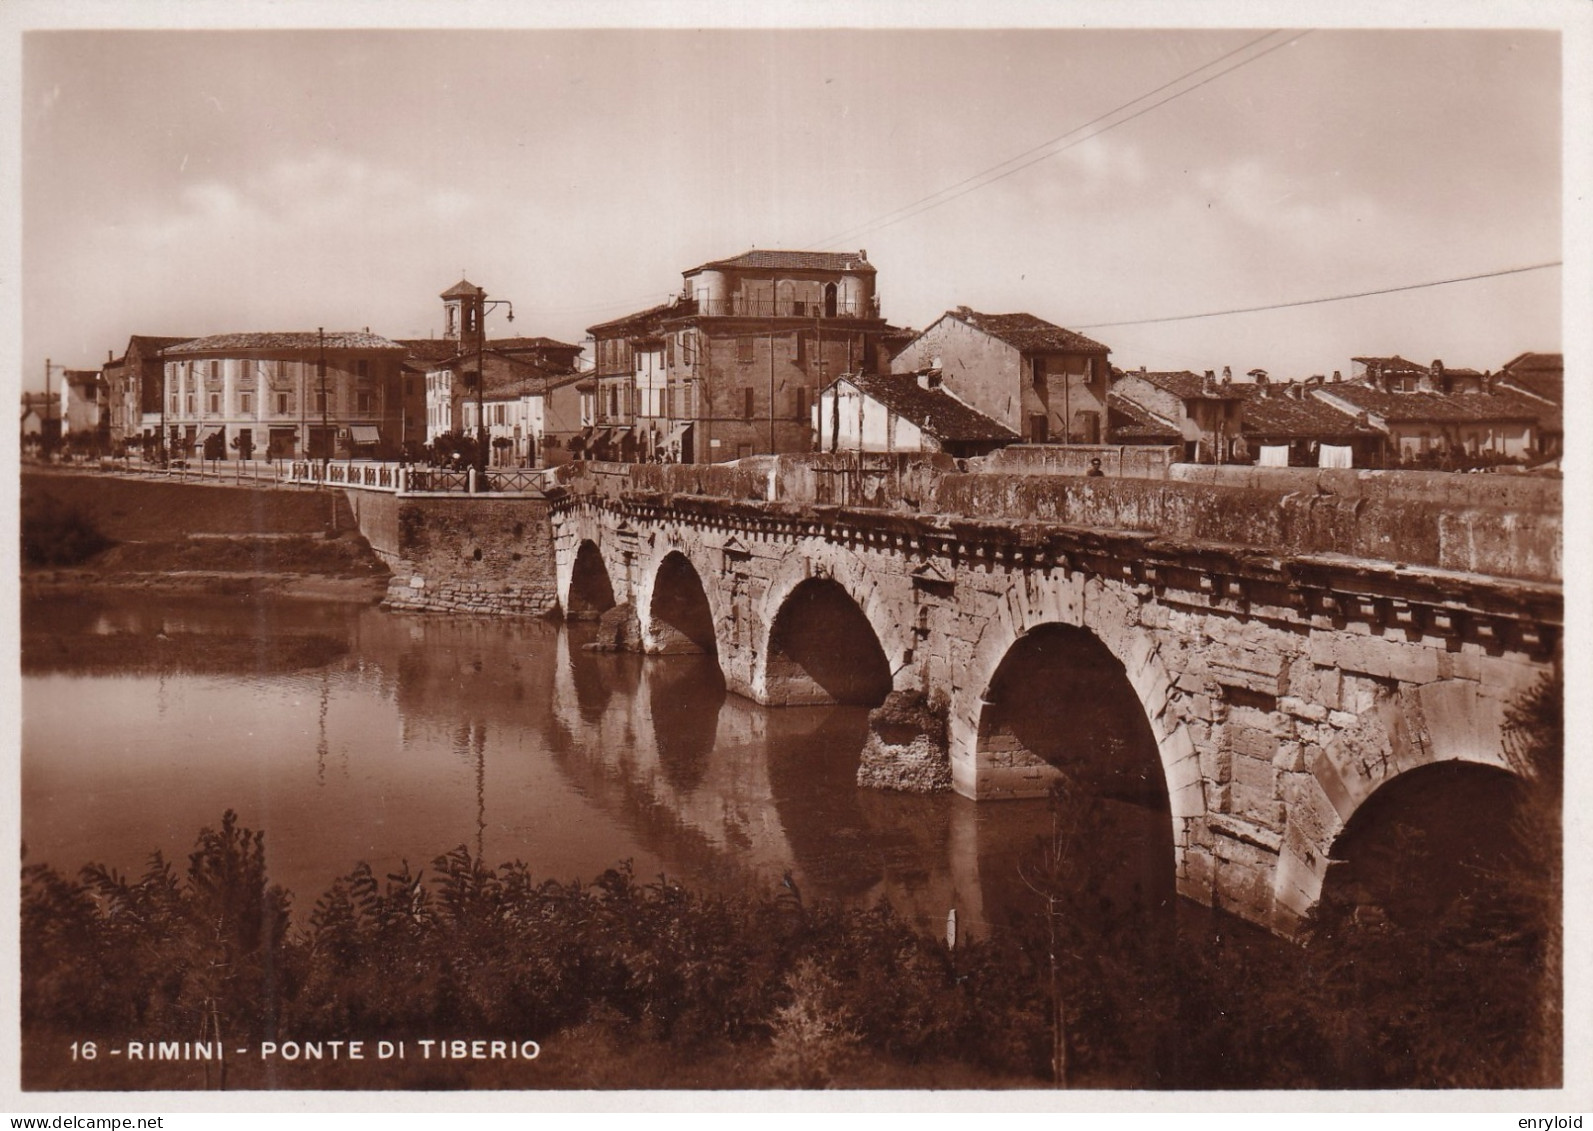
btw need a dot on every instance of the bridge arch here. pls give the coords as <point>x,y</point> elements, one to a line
<point>678,617</point>
<point>590,590</point>
<point>819,637</point>
<point>1426,839</point>
<point>1449,722</point>
<point>1108,615</point>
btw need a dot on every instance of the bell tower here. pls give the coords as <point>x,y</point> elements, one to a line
<point>462,310</point>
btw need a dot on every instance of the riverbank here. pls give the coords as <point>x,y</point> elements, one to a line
<point>83,531</point>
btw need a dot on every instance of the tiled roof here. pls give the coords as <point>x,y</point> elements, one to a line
<point>1185,385</point>
<point>510,376</point>
<point>641,320</point>
<point>510,345</point>
<point>1141,424</point>
<point>148,344</point>
<point>1026,332</point>
<point>1535,361</point>
<point>791,261</point>
<point>935,410</point>
<point>464,288</point>
<point>1395,364</point>
<point>289,340</point>
<point>1540,374</point>
<point>1270,411</point>
<point>430,349</point>
<point>1457,408</point>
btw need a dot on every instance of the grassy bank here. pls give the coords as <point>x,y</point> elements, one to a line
<point>83,531</point>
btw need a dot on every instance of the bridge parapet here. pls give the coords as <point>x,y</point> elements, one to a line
<point>1497,525</point>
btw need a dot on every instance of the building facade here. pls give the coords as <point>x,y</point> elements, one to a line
<point>1045,383</point>
<point>743,352</point>
<point>890,412</point>
<point>1205,413</point>
<point>283,396</point>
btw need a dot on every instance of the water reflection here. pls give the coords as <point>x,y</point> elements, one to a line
<point>508,737</point>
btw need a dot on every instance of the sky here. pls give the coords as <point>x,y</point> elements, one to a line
<point>190,182</point>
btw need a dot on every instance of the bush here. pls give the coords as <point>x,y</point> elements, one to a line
<point>58,534</point>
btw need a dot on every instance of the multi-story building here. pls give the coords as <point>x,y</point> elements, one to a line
<point>1541,378</point>
<point>1046,383</point>
<point>1204,413</point>
<point>743,352</point>
<point>450,364</point>
<point>132,387</point>
<point>84,420</point>
<point>283,395</point>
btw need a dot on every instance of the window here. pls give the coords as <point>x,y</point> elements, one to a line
<point>282,404</point>
<point>190,404</point>
<point>215,370</point>
<point>246,403</point>
<point>745,350</point>
<point>174,404</point>
<point>747,406</point>
<point>688,346</point>
<point>362,369</point>
<point>802,402</point>
<point>320,401</point>
<point>1037,375</point>
<point>364,400</point>
<point>669,402</point>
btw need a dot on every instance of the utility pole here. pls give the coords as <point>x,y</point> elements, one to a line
<point>161,354</point>
<point>44,425</point>
<point>320,366</point>
<point>481,383</point>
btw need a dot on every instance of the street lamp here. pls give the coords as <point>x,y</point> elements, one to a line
<point>481,382</point>
<point>320,366</point>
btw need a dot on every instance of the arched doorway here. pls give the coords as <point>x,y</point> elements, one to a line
<point>830,295</point>
<point>682,622</point>
<point>822,649</point>
<point>591,592</point>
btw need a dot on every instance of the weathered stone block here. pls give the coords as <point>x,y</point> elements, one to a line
<point>1299,708</point>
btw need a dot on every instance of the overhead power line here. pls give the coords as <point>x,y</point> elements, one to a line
<point>1054,147</point>
<point>1329,298</point>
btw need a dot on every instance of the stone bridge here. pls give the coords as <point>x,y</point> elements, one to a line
<point>1257,652</point>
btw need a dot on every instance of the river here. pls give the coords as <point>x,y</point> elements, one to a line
<point>505,736</point>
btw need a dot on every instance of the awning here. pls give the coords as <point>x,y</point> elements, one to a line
<point>364,434</point>
<point>601,436</point>
<point>206,433</point>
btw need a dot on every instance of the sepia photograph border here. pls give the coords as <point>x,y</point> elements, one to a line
<point>1572,19</point>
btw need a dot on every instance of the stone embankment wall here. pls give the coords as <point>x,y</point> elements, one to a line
<point>462,554</point>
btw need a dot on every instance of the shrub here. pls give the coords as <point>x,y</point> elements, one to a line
<point>58,534</point>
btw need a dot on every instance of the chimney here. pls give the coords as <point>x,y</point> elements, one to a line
<point>1227,375</point>
<point>1261,378</point>
<point>862,253</point>
<point>1208,384</point>
<point>1433,380</point>
<point>1142,370</point>
<point>1337,377</point>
